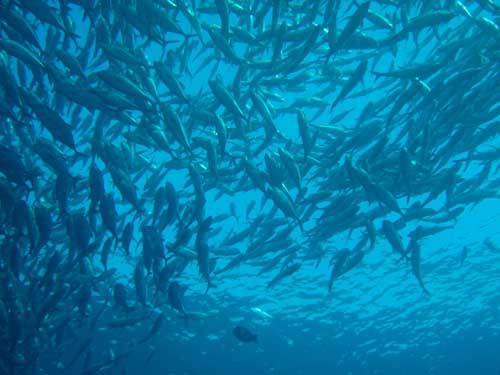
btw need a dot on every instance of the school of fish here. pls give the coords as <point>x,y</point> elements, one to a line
<point>150,150</point>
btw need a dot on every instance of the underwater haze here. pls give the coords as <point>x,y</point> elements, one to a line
<point>254,187</point>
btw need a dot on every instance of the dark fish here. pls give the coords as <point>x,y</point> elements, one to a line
<point>354,22</point>
<point>338,266</point>
<point>55,124</point>
<point>140,284</point>
<point>127,235</point>
<point>244,335</point>
<point>463,255</point>
<point>355,77</point>
<point>155,328</point>
<point>394,238</point>
<point>185,129</point>
<point>176,297</point>
<point>13,167</point>
<point>286,272</point>
<point>202,251</point>
<point>44,223</point>
<point>414,250</point>
<point>109,214</point>
<point>120,296</point>
<point>225,98</point>
<point>96,187</point>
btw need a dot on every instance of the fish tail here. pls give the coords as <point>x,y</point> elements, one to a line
<point>185,317</point>
<point>377,75</point>
<point>189,36</point>
<point>301,225</point>
<point>210,285</point>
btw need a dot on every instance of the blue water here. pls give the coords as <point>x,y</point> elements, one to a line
<point>375,321</point>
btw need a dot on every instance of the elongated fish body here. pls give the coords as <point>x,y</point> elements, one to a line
<point>176,296</point>
<point>244,335</point>
<point>225,98</point>
<point>354,79</point>
<point>393,237</point>
<point>354,22</point>
<point>140,283</point>
<point>414,250</point>
<point>289,270</point>
<point>337,268</point>
<point>137,138</point>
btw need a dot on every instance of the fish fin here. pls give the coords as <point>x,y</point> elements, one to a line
<point>144,339</point>
<point>182,289</point>
<point>210,285</point>
<point>186,319</point>
<point>301,224</point>
<point>189,36</point>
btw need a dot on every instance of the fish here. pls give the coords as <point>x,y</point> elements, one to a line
<point>120,296</point>
<point>261,313</point>
<point>244,335</point>
<point>463,255</point>
<point>155,328</point>
<point>150,147</point>
<point>352,25</point>
<point>284,203</point>
<point>127,322</point>
<point>394,238</point>
<point>414,250</point>
<point>355,77</point>
<point>338,266</point>
<point>20,52</point>
<point>203,250</point>
<point>140,284</point>
<point>176,296</point>
<point>286,272</point>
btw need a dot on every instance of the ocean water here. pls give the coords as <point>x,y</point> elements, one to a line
<point>376,319</point>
